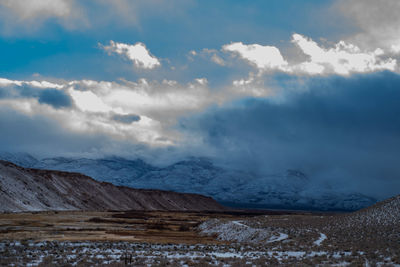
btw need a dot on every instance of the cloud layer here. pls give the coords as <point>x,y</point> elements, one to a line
<point>377,22</point>
<point>344,132</point>
<point>142,112</point>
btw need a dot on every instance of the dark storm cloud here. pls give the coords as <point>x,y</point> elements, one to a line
<point>342,131</point>
<point>42,136</point>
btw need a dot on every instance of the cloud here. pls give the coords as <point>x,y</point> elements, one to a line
<point>341,59</point>
<point>217,60</point>
<point>88,101</point>
<point>137,53</point>
<point>44,92</point>
<point>55,98</point>
<point>142,112</point>
<point>129,118</point>
<point>28,10</point>
<point>33,13</point>
<point>38,84</point>
<point>263,57</point>
<point>341,131</point>
<point>377,22</point>
<point>20,17</point>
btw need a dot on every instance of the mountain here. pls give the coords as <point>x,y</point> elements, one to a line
<point>291,189</point>
<point>115,170</point>
<point>21,159</point>
<point>24,189</point>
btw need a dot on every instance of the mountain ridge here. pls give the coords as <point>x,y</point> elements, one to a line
<point>27,189</point>
<point>291,189</point>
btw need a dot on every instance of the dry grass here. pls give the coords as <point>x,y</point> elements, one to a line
<point>173,239</point>
<point>135,226</point>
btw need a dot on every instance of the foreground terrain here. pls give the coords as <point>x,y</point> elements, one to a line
<point>230,238</point>
<point>99,224</point>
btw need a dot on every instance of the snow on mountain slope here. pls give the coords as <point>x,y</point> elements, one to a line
<point>21,159</point>
<point>289,190</point>
<point>112,169</point>
<point>292,189</point>
<point>23,189</point>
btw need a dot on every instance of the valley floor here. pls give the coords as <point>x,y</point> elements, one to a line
<point>136,238</point>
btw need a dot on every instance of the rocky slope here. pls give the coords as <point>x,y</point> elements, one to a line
<point>23,189</point>
<point>384,213</point>
<point>290,189</point>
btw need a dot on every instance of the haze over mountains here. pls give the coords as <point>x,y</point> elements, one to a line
<point>291,189</point>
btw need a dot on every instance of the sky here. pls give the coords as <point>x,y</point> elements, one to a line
<point>256,85</point>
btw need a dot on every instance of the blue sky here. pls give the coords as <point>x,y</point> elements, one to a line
<point>188,26</point>
<point>279,83</point>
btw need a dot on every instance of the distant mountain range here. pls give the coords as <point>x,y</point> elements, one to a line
<point>289,190</point>
<point>23,189</point>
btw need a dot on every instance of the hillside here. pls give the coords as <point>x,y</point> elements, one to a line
<point>23,189</point>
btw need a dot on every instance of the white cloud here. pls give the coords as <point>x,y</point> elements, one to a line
<point>343,58</point>
<point>88,101</point>
<point>263,57</point>
<point>37,84</point>
<point>137,53</point>
<point>217,60</point>
<point>201,81</point>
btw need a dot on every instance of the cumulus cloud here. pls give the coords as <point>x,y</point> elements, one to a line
<point>137,53</point>
<point>342,131</point>
<point>342,58</point>
<point>263,57</point>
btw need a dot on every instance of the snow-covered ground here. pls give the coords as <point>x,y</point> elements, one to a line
<point>321,238</point>
<point>106,253</point>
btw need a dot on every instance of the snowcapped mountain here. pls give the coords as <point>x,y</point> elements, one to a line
<point>21,159</point>
<point>118,171</point>
<point>291,189</point>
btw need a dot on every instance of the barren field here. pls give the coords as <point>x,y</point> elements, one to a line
<point>160,227</point>
<point>235,238</point>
